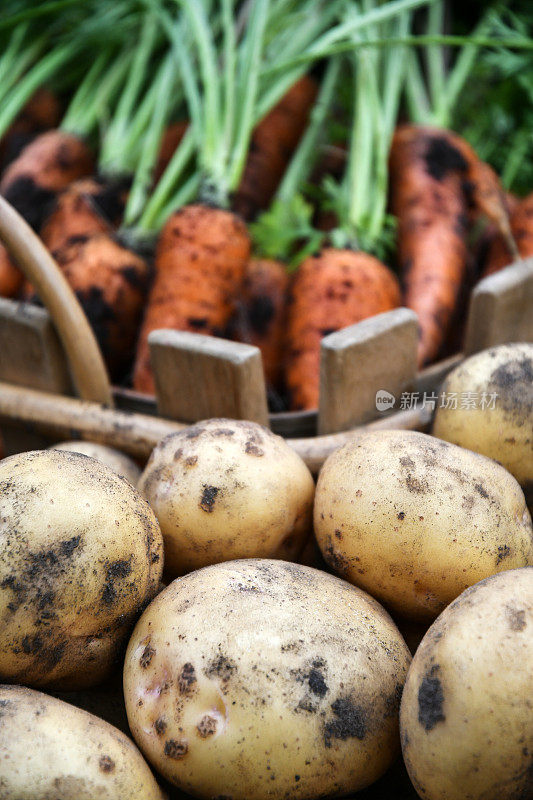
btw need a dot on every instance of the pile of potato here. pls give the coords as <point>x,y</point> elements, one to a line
<point>248,673</point>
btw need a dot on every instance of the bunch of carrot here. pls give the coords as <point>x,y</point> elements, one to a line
<point>196,117</point>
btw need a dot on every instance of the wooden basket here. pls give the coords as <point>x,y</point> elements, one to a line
<point>53,382</point>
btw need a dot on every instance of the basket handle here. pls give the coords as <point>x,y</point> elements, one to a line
<point>83,353</point>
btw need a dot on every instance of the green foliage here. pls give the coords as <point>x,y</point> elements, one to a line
<point>381,246</point>
<point>286,232</point>
<point>495,111</point>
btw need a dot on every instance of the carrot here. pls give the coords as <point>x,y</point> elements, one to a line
<point>111,284</point>
<point>41,112</point>
<point>50,163</point>
<point>11,278</point>
<point>273,141</point>
<point>428,177</point>
<point>202,251</point>
<point>263,313</point>
<point>331,290</point>
<point>172,137</point>
<point>200,262</point>
<point>499,255</point>
<point>85,208</point>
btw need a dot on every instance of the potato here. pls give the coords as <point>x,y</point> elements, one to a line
<point>264,679</point>
<point>467,707</point>
<point>414,520</point>
<point>81,554</point>
<point>114,459</point>
<point>50,750</point>
<point>227,489</point>
<point>503,432</point>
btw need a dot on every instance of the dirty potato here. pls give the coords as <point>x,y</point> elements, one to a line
<point>226,489</point>
<point>264,679</point>
<point>467,707</point>
<point>81,554</point>
<point>499,424</point>
<point>114,459</point>
<point>50,749</point>
<point>415,520</point>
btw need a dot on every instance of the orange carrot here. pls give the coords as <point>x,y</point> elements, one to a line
<point>499,255</point>
<point>437,180</point>
<point>50,163</point>
<point>482,188</point>
<point>332,290</point>
<point>85,208</point>
<point>11,278</point>
<point>111,284</point>
<point>263,313</point>
<point>427,177</point>
<point>200,262</point>
<point>172,137</point>
<point>273,142</point>
<point>41,112</point>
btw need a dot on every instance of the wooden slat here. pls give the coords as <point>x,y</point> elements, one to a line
<point>199,377</point>
<point>501,308</point>
<point>361,360</point>
<point>30,352</point>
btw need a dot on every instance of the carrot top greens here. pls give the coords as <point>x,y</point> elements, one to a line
<point>375,80</point>
<point>222,66</point>
<point>222,59</point>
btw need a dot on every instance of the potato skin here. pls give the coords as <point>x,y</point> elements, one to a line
<point>51,750</point>
<point>414,520</point>
<point>467,706</point>
<point>504,432</point>
<point>81,554</point>
<point>289,689</point>
<point>225,489</point>
<point>114,459</point>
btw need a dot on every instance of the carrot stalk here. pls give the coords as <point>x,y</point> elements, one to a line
<point>203,249</point>
<point>343,285</point>
<point>438,186</point>
<point>40,73</point>
<point>112,148</point>
<point>170,142</point>
<point>145,138</point>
